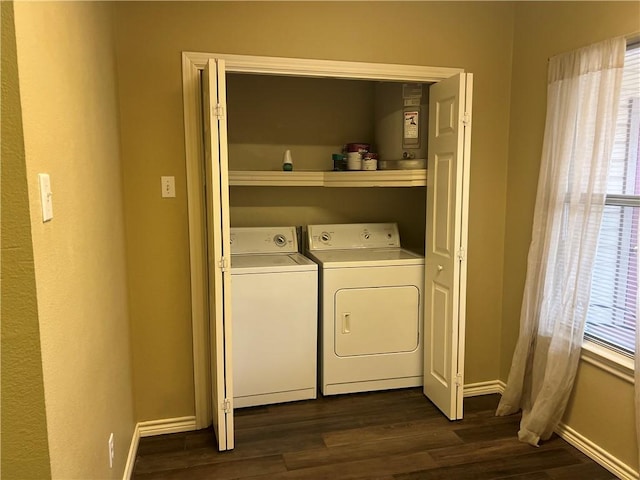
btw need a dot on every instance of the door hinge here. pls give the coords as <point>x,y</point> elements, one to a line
<point>226,406</point>
<point>223,264</point>
<point>218,111</point>
<point>458,380</point>
<point>466,119</point>
<point>461,255</point>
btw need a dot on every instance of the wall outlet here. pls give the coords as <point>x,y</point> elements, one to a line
<point>111,450</point>
<point>168,187</point>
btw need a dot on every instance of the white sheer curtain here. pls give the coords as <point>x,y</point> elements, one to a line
<point>582,105</point>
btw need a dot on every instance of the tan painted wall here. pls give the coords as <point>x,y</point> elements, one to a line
<point>25,449</point>
<point>151,37</point>
<point>79,257</point>
<point>479,37</point>
<point>544,29</point>
<point>68,92</point>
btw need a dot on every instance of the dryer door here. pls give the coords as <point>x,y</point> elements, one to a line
<point>371,321</point>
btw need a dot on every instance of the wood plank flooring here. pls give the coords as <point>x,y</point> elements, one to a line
<point>395,434</point>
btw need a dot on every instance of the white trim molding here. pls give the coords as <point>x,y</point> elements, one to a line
<point>305,67</point>
<point>151,428</point>
<point>197,247</point>
<point>484,388</point>
<point>608,360</point>
<point>167,425</point>
<point>133,452</point>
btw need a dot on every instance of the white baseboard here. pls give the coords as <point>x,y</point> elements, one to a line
<point>484,388</point>
<point>133,452</point>
<point>167,425</point>
<point>597,454</point>
<point>151,428</point>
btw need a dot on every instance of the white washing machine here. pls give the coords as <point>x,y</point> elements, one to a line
<point>274,305</point>
<point>371,308</point>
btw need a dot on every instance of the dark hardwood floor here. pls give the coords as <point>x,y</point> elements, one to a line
<point>396,434</point>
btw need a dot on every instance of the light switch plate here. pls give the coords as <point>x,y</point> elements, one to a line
<point>168,187</point>
<point>46,197</point>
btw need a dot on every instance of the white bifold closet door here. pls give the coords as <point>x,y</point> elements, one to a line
<point>446,242</point>
<point>218,250</point>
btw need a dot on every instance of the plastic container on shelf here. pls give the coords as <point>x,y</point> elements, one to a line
<point>354,161</point>
<point>287,162</point>
<point>339,162</point>
<point>370,161</point>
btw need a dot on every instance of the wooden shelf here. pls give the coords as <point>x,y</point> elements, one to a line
<point>377,178</point>
<point>259,178</point>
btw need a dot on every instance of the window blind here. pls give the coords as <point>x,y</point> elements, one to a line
<point>612,313</point>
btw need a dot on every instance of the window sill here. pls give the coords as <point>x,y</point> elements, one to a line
<point>602,357</point>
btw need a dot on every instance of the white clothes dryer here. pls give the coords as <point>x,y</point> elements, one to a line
<point>370,308</point>
<point>274,305</point>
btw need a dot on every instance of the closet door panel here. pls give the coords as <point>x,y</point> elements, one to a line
<point>446,239</point>
<point>218,252</point>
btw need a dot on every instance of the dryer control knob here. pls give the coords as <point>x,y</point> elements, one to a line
<point>280,240</point>
<point>325,237</point>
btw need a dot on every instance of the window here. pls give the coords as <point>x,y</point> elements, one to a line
<point>612,313</point>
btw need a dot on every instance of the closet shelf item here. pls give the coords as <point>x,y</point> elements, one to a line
<point>378,178</point>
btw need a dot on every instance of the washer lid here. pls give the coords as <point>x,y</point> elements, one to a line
<point>273,263</point>
<point>366,257</point>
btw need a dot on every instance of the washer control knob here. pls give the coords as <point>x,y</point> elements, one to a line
<point>366,235</point>
<point>325,237</point>
<point>280,240</point>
